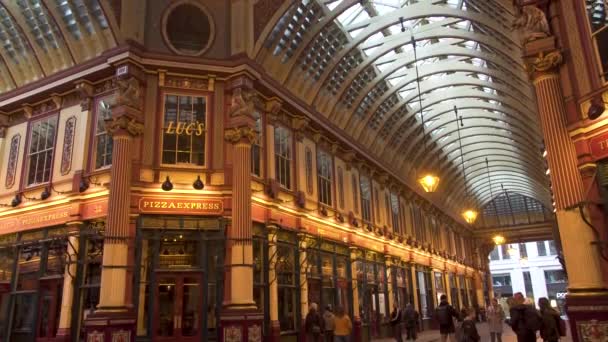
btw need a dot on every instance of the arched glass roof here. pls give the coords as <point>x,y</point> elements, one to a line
<point>354,62</point>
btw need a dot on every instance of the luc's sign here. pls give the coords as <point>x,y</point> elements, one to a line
<point>185,128</point>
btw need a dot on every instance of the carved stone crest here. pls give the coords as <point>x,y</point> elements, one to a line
<point>532,24</point>
<point>124,122</point>
<point>243,102</point>
<point>236,134</point>
<point>128,93</point>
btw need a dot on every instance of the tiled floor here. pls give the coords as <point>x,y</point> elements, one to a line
<point>507,336</point>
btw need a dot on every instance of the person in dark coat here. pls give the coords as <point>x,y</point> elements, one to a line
<point>468,329</point>
<point>525,320</point>
<point>411,319</point>
<point>313,324</point>
<point>445,315</point>
<point>549,330</point>
<point>396,323</point>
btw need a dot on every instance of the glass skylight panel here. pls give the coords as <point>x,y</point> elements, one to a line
<point>333,4</point>
<point>444,138</point>
<point>438,131</point>
<point>353,15</point>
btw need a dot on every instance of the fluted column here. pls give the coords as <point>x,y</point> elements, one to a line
<point>67,297</point>
<point>390,290</point>
<point>479,289</point>
<point>447,289</point>
<point>577,238</point>
<point>273,290</point>
<point>355,286</point>
<point>415,287</point>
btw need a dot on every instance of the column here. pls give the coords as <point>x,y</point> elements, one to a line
<point>303,281</point>
<point>115,318</point>
<point>479,289</point>
<point>448,290</point>
<point>458,286</point>
<point>490,285</point>
<point>415,289</point>
<point>587,294</point>
<point>355,286</point>
<point>240,319</point>
<point>390,291</point>
<point>69,276</point>
<point>275,329</point>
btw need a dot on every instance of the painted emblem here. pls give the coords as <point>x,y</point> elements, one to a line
<point>95,336</point>
<point>254,333</point>
<point>68,145</point>
<point>13,156</point>
<point>233,333</point>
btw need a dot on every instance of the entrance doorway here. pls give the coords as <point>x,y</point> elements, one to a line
<point>178,309</point>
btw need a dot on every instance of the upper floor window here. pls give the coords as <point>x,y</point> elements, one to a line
<point>555,277</point>
<point>256,147</point>
<point>494,254</point>
<point>523,252</point>
<point>366,198</point>
<point>308,157</point>
<point>40,153</point>
<point>340,188</point>
<point>542,249</point>
<point>552,248</point>
<point>395,213</point>
<point>376,204</point>
<point>103,142</point>
<point>598,21</point>
<point>355,188</point>
<point>324,170</point>
<point>184,128</point>
<point>282,156</point>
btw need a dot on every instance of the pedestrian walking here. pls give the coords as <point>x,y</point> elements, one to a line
<point>549,330</point>
<point>410,319</point>
<point>313,324</point>
<point>495,317</point>
<point>396,323</point>
<point>469,330</point>
<point>525,320</point>
<point>445,315</point>
<point>343,326</point>
<point>328,320</point>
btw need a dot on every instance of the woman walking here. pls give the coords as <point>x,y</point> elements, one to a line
<point>313,324</point>
<point>549,329</point>
<point>495,316</point>
<point>342,325</point>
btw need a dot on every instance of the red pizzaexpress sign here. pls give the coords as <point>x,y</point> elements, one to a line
<point>187,206</point>
<point>599,146</point>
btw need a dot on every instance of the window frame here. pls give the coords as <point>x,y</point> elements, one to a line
<point>259,144</point>
<point>93,162</point>
<point>288,160</point>
<point>26,160</point>
<point>340,187</point>
<point>161,124</point>
<point>366,209</point>
<point>355,188</point>
<point>602,72</point>
<point>325,182</point>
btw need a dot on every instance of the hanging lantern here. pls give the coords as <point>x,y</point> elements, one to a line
<point>429,182</point>
<point>498,239</point>
<point>470,216</point>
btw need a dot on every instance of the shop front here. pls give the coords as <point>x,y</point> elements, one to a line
<point>402,283</point>
<point>372,290</point>
<point>425,295</point>
<point>454,294</point>
<point>464,296</point>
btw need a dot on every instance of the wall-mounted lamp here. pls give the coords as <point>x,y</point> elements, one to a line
<point>597,108</point>
<point>84,185</point>
<point>16,201</point>
<point>198,183</point>
<point>167,185</point>
<point>46,193</point>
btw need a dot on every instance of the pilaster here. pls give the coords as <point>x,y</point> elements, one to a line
<point>273,290</point>
<point>67,297</point>
<point>355,287</point>
<point>303,283</point>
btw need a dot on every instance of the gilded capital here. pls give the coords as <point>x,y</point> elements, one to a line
<point>123,123</point>
<point>545,62</point>
<point>237,134</point>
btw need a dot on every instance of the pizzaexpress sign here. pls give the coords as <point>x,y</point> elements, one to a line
<point>181,206</point>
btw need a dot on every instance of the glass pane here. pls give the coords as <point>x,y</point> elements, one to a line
<point>23,317</point>
<point>29,264</point>
<point>211,307</point>
<point>190,307</point>
<point>57,257</point>
<point>287,308</point>
<point>166,310</point>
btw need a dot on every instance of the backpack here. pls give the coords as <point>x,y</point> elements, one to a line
<point>533,319</point>
<point>444,316</point>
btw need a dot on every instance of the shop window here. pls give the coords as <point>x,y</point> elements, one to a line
<point>598,22</point>
<point>89,288</point>
<point>103,142</point>
<point>324,172</point>
<point>542,248</point>
<point>282,156</point>
<point>308,156</point>
<point>355,189</point>
<point>555,277</point>
<point>340,188</point>
<point>395,213</point>
<point>256,147</point>
<point>40,153</point>
<point>184,130</point>
<point>288,286</point>
<point>366,198</point>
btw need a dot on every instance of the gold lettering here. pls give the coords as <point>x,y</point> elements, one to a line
<point>170,129</point>
<point>198,206</point>
<point>189,129</point>
<point>179,205</point>
<point>146,204</point>
<point>200,128</point>
<point>180,128</point>
<point>171,205</point>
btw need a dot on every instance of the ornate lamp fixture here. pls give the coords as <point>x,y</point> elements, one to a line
<point>167,185</point>
<point>470,215</point>
<point>428,180</point>
<point>498,239</point>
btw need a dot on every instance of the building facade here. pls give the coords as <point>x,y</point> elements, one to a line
<point>149,193</point>
<point>531,268</point>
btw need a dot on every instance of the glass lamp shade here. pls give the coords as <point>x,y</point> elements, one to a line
<point>498,239</point>
<point>429,182</point>
<point>470,216</point>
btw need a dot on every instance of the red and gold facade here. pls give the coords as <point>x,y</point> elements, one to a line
<point>152,196</point>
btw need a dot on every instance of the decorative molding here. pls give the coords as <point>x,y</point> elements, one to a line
<point>121,336</point>
<point>116,124</point>
<point>242,102</point>
<point>184,82</point>
<point>233,333</point>
<point>532,24</point>
<point>128,93</point>
<point>68,145</point>
<point>107,85</point>
<point>254,333</point>
<point>545,62</point>
<point>12,161</point>
<point>236,134</point>
<point>85,91</point>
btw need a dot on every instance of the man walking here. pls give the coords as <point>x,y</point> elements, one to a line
<point>525,320</point>
<point>410,318</point>
<point>445,315</point>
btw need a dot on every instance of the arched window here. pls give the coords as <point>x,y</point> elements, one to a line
<point>340,187</point>
<point>308,157</point>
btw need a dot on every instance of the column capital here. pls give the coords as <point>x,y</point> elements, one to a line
<point>123,124</point>
<point>243,134</point>
<point>544,63</point>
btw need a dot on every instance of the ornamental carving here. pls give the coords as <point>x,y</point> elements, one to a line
<point>128,93</point>
<point>254,333</point>
<point>242,103</point>
<point>12,161</point>
<point>95,336</point>
<point>121,336</point>
<point>186,83</point>
<point>68,145</point>
<point>593,331</point>
<point>532,24</point>
<point>236,134</point>
<point>233,333</point>
<point>125,123</point>
<point>545,62</point>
